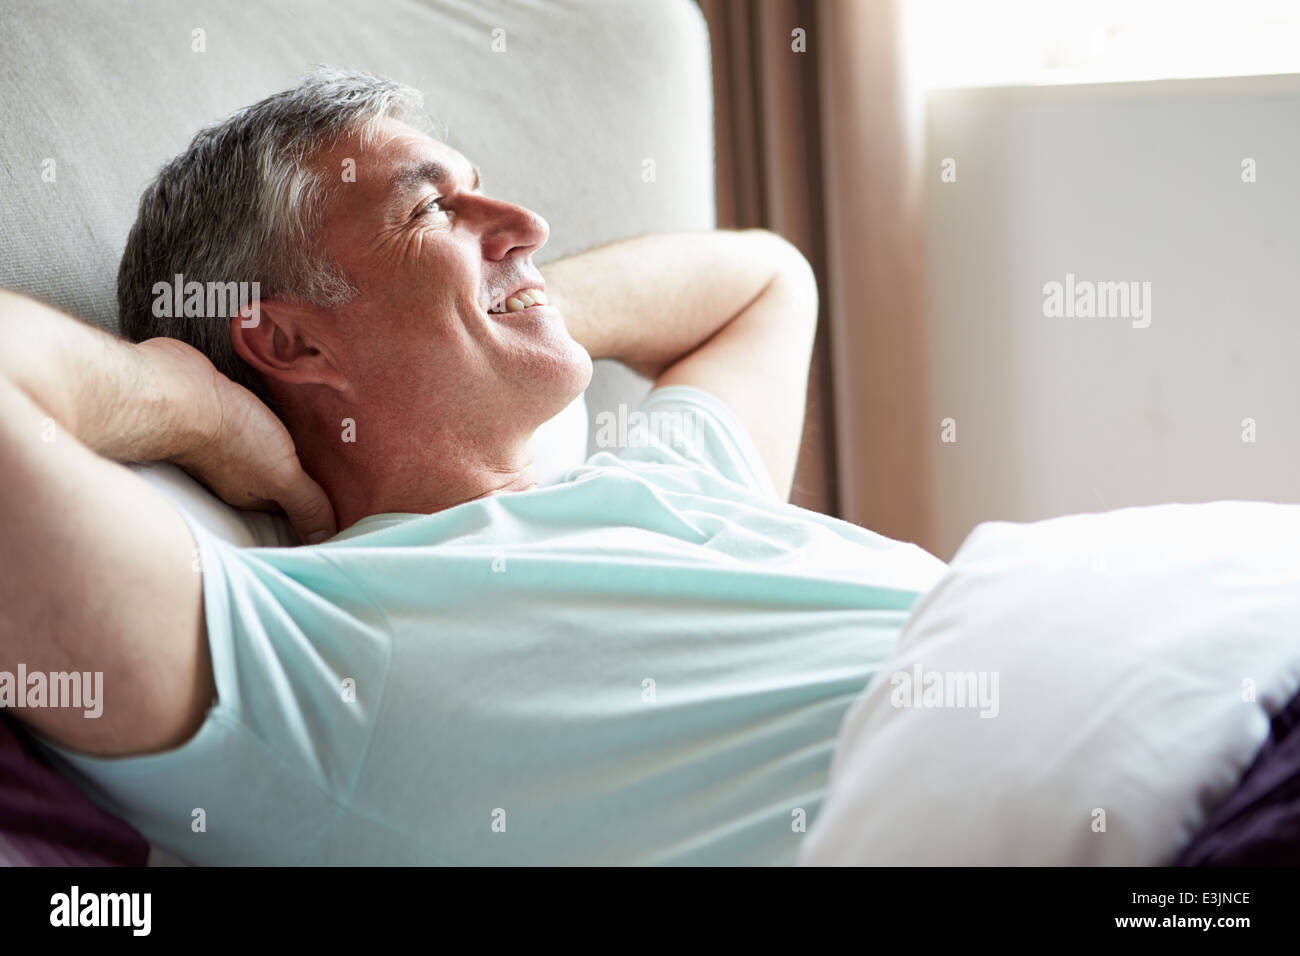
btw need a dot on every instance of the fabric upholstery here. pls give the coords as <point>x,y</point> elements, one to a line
<point>562,120</point>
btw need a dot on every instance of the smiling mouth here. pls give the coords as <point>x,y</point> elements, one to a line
<point>519,301</point>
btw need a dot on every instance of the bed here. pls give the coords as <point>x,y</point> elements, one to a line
<point>1118,674</point>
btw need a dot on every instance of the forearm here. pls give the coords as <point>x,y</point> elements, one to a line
<point>125,402</point>
<point>652,300</point>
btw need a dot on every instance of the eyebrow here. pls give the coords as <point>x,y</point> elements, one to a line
<point>433,172</point>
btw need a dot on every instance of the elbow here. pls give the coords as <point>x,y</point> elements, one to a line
<point>791,270</point>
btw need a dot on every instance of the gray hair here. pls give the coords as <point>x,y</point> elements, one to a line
<point>244,203</point>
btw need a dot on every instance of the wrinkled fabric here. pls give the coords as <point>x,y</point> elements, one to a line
<point>644,663</point>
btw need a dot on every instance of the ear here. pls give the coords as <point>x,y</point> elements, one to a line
<point>284,342</point>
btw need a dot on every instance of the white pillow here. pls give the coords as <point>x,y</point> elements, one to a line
<point>559,445</point>
<point>1139,656</point>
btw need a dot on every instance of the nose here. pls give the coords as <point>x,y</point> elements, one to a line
<point>511,230</point>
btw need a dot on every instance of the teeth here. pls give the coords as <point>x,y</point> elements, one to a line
<point>526,298</point>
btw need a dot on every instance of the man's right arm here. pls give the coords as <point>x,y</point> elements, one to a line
<point>97,570</point>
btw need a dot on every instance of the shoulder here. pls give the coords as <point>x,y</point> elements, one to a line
<point>686,426</point>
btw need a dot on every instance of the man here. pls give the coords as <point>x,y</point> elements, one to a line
<point>645,663</point>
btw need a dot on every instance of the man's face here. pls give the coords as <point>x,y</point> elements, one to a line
<point>431,254</point>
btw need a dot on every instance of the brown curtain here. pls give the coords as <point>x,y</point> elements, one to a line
<point>817,140</point>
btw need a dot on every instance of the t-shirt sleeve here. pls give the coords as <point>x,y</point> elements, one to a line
<point>300,661</point>
<point>683,425</point>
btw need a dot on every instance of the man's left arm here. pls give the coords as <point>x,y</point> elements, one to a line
<point>732,313</point>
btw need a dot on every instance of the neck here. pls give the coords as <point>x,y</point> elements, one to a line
<point>419,475</point>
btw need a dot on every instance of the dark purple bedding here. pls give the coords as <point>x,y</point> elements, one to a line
<point>1259,823</point>
<point>46,821</point>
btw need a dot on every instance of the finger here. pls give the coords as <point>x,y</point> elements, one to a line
<point>308,508</point>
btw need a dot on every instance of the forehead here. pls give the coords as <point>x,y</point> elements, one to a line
<point>396,159</point>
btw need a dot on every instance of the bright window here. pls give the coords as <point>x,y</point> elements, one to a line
<point>1031,42</point>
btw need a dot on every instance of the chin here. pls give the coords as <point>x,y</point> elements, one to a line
<point>585,369</point>
<point>574,374</point>
<point>556,376</point>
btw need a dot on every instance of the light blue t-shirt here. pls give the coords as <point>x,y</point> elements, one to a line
<point>647,663</point>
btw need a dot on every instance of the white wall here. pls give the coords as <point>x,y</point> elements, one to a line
<point>1134,181</point>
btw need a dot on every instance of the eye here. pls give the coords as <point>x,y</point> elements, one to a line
<point>434,205</point>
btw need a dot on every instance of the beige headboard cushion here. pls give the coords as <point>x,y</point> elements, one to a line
<point>595,113</point>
